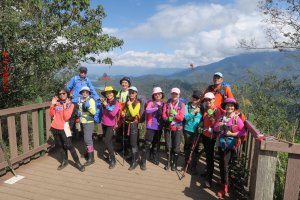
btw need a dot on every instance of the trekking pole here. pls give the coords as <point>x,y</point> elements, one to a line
<point>169,156</point>
<point>191,154</point>
<point>123,141</point>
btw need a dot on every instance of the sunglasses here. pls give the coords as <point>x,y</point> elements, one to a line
<point>62,93</point>
<point>206,100</point>
<point>85,91</point>
<point>131,92</point>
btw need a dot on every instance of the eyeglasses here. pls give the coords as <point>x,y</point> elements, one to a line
<point>62,93</point>
<point>206,100</point>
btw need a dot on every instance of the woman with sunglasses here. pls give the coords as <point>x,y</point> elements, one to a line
<point>131,116</point>
<point>231,128</point>
<point>173,114</point>
<point>109,117</point>
<point>87,110</point>
<point>61,110</point>
<point>192,120</point>
<point>211,115</point>
<point>154,122</point>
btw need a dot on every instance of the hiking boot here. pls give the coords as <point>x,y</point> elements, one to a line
<point>203,175</point>
<point>174,163</point>
<point>90,159</point>
<point>79,166</point>
<point>223,192</point>
<point>64,163</point>
<point>112,162</point>
<point>134,162</point>
<point>207,184</point>
<point>143,166</point>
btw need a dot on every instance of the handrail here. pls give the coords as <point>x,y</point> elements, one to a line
<point>25,124</point>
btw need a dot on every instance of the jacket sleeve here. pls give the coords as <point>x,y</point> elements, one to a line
<point>71,84</point>
<point>92,108</point>
<point>114,112</point>
<point>228,92</point>
<point>149,108</point>
<point>134,112</point>
<point>164,115</point>
<point>180,114</point>
<point>68,112</point>
<point>52,111</point>
<point>241,126</point>
<point>188,116</point>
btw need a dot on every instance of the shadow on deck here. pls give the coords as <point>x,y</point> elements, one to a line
<point>43,181</point>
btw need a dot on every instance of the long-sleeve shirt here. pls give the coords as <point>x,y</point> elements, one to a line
<point>60,115</point>
<point>76,83</point>
<point>87,115</point>
<point>176,124</point>
<point>219,97</point>
<point>109,113</point>
<point>191,121</point>
<point>208,126</point>
<point>153,115</point>
<point>132,113</point>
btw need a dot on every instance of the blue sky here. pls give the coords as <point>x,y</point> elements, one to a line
<point>175,33</point>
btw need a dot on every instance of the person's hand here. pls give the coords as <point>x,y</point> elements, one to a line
<point>129,103</point>
<point>67,104</point>
<point>228,133</point>
<point>54,100</point>
<point>170,119</point>
<point>173,112</point>
<point>221,124</point>
<point>86,105</point>
<point>103,101</point>
<point>123,114</point>
<point>197,110</point>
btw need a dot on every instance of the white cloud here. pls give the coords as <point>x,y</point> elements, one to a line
<point>109,31</point>
<point>192,33</point>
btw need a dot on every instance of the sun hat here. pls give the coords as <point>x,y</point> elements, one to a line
<point>109,88</point>
<point>85,88</point>
<point>230,100</point>
<point>175,90</point>
<point>209,95</point>
<point>218,74</point>
<point>157,90</point>
<point>133,88</point>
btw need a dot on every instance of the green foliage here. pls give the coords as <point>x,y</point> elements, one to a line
<point>46,39</point>
<point>274,105</point>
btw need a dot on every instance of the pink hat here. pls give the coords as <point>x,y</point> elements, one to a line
<point>209,95</point>
<point>157,90</point>
<point>230,100</point>
<point>175,90</point>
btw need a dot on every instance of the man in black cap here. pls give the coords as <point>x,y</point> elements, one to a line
<point>79,81</point>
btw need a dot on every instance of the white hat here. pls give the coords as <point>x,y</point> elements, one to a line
<point>86,88</point>
<point>218,74</point>
<point>175,90</point>
<point>209,95</point>
<point>133,88</point>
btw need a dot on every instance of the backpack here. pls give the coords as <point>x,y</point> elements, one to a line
<point>222,90</point>
<point>98,105</point>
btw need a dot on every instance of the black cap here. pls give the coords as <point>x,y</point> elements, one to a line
<point>197,94</point>
<point>125,78</point>
<point>83,69</point>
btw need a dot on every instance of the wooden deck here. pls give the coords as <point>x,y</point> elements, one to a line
<point>43,181</point>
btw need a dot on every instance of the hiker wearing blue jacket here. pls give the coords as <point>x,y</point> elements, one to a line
<point>192,119</point>
<point>79,81</point>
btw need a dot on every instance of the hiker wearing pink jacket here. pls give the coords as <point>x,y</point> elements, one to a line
<point>173,114</point>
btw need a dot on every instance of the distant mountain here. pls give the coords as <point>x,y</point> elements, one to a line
<point>235,68</point>
<point>98,71</point>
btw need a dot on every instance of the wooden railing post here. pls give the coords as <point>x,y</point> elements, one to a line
<point>41,124</point>
<point>262,173</point>
<point>292,181</point>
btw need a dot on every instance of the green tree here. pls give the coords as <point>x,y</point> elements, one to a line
<point>46,40</point>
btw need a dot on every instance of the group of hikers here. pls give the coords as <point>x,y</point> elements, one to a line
<point>210,117</point>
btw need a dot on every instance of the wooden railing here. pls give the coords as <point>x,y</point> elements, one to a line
<point>262,160</point>
<point>26,130</point>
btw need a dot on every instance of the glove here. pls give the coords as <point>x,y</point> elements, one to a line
<point>79,114</point>
<point>173,112</point>
<point>86,105</point>
<point>210,112</point>
<point>170,119</point>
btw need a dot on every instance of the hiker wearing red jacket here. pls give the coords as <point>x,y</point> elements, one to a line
<point>61,110</point>
<point>231,128</point>
<point>220,90</point>
<point>211,115</point>
<point>173,114</point>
